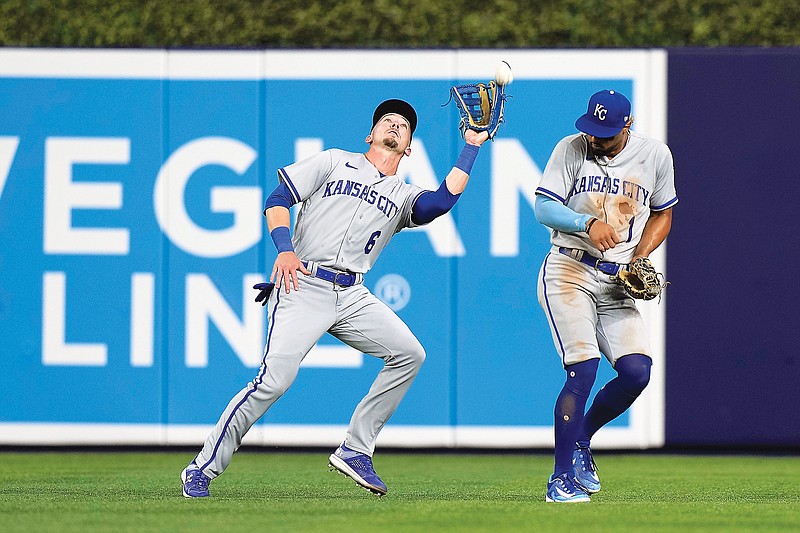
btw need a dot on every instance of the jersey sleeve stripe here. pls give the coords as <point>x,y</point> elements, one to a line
<point>285,177</point>
<point>411,223</point>
<point>550,194</point>
<point>664,206</point>
<point>416,197</point>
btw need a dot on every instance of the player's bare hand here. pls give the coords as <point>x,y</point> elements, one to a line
<point>476,138</point>
<point>603,236</point>
<point>284,271</point>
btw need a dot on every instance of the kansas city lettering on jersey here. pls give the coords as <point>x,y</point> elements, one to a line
<point>362,192</point>
<point>611,186</point>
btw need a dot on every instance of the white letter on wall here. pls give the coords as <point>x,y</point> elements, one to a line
<point>55,349</point>
<point>204,303</point>
<point>142,323</point>
<point>62,195</point>
<point>245,203</point>
<point>513,172</point>
<point>8,149</point>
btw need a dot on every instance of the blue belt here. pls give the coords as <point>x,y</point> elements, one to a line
<point>606,267</point>
<point>343,279</point>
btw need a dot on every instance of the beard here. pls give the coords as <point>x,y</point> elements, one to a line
<point>599,151</point>
<point>390,142</point>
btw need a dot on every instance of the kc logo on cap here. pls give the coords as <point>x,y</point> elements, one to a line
<point>606,115</point>
<point>600,111</point>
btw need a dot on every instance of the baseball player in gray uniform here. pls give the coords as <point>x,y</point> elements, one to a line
<point>607,195</point>
<point>352,205</point>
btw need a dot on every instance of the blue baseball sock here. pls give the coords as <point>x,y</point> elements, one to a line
<point>633,375</point>
<point>569,410</point>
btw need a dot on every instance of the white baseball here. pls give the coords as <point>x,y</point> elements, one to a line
<point>503,75</point>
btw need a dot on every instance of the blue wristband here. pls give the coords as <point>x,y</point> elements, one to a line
<point>283,242</point>
<point>467,158</point>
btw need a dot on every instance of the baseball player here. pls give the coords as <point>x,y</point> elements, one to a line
<point>607,195</point>
<point>352,205</point>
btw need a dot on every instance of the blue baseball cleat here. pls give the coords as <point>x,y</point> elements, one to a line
<point>585,470</point>
<point>358,467</point>
<point>563,489</point>
<point>195,482</point>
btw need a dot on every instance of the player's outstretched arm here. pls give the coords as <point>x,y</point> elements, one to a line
<point>457,179</point>
<point>284,270</point>
<point>432,204</point>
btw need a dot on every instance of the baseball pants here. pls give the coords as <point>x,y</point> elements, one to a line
<point>297,321</point>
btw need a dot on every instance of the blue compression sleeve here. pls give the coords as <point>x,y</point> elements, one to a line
<point>570,406</point>
<point>280,196</point>
<point>633,375</point>
<point>432,204</point>
<point>558,216</point>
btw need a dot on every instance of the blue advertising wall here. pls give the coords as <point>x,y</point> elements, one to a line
<point>131,189</point>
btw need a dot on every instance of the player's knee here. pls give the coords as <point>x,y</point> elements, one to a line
<point>417,355</point>
<point>634,373</point>
<point>413,354</point>
<point>581,376</point>
<point>278,376</point>
<point>408,355</point>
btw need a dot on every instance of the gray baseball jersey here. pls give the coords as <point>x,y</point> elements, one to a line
<point>349,212</point>
<point>588,310</point>
<point>620,191</point>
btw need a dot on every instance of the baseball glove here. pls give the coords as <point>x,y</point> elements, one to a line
<point>480,105</point>
<point>641,280</point>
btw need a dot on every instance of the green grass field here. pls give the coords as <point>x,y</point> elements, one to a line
<point>89,492</point>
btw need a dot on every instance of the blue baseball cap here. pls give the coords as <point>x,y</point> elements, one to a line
<point>607,114</point>
<point>398,107</point>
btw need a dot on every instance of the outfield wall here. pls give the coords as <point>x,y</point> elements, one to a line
<point>130,229</point>
<point>131,185</point>
<point>733,364</point>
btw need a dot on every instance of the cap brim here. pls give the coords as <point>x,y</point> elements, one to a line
<point>587,126</point>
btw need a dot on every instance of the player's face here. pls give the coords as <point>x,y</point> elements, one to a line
<point>392,131</point>
<point>608,146</point>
